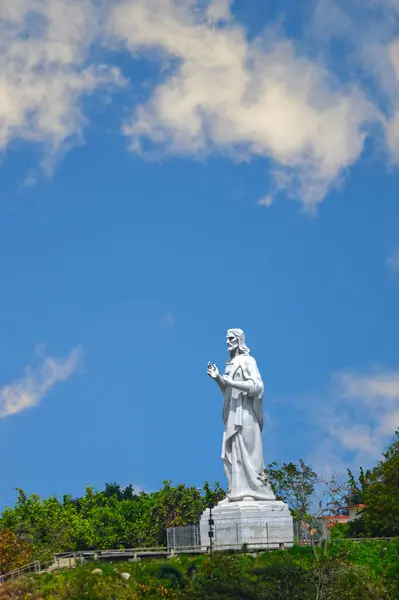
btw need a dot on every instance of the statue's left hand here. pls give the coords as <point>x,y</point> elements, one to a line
<point>213,371</point>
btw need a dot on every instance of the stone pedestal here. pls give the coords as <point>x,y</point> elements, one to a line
<point>259,524</point>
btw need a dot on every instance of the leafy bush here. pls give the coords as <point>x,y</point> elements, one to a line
<point>14,552</point>
<point>113,518</point>
<point>340,531</point>
<point>284,581</point>
<point>349,571</point>
<point>378,490</point>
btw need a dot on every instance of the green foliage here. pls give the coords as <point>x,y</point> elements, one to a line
<point>113,518</point>
<point>212,495</point>
<point>173,574</point>
<point>379,491</point>
<point>349,571</point>
<point>227,577</point>
<point>23,589</point>
<point>14,551</point>
<point>340,531</point>
<point>283,580</point>
<point>358,487</point>
<point>120,517</point>
<point>293,484</point>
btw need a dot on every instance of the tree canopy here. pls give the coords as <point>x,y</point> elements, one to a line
<point>14,551</point>
<point>294,484</point>
<point>112,518</point>
<point>119,517</point>
<point>378,489</point>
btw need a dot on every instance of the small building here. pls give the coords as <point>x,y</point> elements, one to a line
<point>353,513</point>
<point>355,510</point>
<point>333,520</point>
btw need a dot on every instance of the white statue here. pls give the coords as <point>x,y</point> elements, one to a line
<point>242,449</point>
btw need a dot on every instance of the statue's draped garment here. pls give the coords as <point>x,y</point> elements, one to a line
<point>242,449</point>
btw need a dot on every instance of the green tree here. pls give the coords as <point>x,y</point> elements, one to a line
<point>114,489</point>
<point>50,525</point>
<point>175,507</point>
<point>379,491</point>
<point>283,580</point>
<point>14,552</point>
<point>212,494</point>
<point>113,518</point>
<point>357,488</point>
<point>294,484</point>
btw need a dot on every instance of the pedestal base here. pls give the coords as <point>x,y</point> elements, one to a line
<point>258,524</point>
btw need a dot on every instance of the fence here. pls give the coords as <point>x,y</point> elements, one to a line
<point>181,538</point>
<point>72,559</point>
<point>188,537</point>
<point>68,560</point>
<point>304,533</point>
<point>33,567</point>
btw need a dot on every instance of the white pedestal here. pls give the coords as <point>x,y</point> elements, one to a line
<point>259,524</point>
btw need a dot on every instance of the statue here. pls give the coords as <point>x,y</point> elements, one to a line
<point>242,448</point>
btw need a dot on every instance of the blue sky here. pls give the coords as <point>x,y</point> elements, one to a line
<point>172,169</point>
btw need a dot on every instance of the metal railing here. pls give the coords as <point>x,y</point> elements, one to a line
<point>33,567</point>
<point>68,560</point>
<point>186,536</point>
<point>38,566</point>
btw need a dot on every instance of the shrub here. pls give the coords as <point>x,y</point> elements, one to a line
<point>14,552</point>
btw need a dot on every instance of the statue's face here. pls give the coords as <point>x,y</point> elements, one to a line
<point>232,342</point>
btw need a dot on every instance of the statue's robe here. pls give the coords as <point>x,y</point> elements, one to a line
<point>242,449</point>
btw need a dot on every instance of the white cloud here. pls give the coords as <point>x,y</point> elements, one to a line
<point>392,122</point>
<point>349,423</point>
<point>245,98</point>
<point>355,437</point>
<point>375,388</point>
<point>362,412</point>
<point>219,91</point>
<point>44,73</point>
<point>219,10</point>
<point>35,383</point>
<point>394,56</point>
<point>266,201</point>
<point>326,461</point>
<point>368,29</point>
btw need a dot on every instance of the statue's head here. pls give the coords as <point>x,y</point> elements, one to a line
<point>236,340</point>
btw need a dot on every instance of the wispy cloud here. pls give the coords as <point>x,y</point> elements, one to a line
<point>220,91</point>
<point>266,201</point>
<point>44,71</point>
<point>36,382</point>
<point>368,28</point>
<point>350,422</point>
<point>360,413</point>
<point>219,10</point>
<point>243,97</point>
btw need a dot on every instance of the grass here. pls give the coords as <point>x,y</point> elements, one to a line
<point>366,571</point>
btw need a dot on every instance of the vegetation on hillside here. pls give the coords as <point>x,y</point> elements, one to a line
<point>35,528</point>
<point>378,489</point>
<point>346,571</point>
<point>112,518</point>
<point>14,551</point>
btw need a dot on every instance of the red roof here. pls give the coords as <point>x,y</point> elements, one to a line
<point>335,519</point>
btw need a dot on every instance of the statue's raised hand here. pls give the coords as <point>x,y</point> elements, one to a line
<point>213,371</point>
